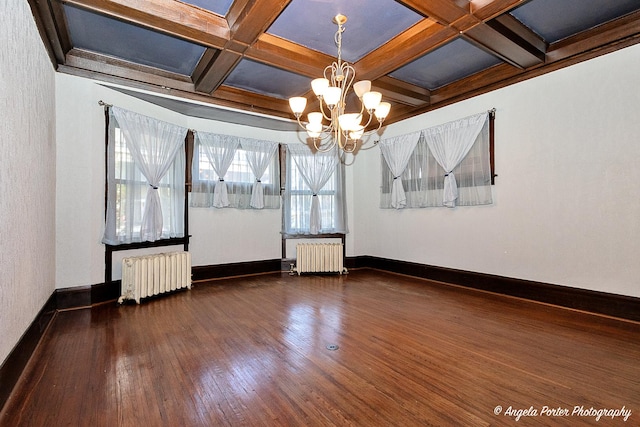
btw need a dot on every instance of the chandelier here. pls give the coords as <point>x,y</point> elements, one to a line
<point>333,126</point>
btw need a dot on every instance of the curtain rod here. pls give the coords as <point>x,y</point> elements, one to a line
<point>104,104</point>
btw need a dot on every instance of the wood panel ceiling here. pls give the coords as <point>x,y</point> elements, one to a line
<point>251,55</point>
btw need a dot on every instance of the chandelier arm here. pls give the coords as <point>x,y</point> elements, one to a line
<point>372,131</point>
<point>299,122</point>
<point>362,110</point>
<point>363,148</point>
<point>323,148</point>
<point>330,69</point>
<point>364,126</point>
<point>322,109</point>
<point>344,162</point>
<point>350,149</point>
<point>349,75</point>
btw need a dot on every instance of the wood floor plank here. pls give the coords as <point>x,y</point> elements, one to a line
<point>253,351</point>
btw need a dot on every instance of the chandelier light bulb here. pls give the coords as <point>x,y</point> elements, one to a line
<point>362,87</point>
<point>332,95</point>
<point>314,117</point>
<point>297,104</point>
<point>382,110</point>
<point>314,130</point>
<point>356,134</point>
<point>371,100</point>
<point>350,122</point>
<point>319,86</point>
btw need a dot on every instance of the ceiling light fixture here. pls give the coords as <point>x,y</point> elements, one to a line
<point>344,130</point>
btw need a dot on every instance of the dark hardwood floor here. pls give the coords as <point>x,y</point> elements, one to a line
<point>257,351</point>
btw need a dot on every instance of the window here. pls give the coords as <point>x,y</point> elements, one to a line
<point>247,158</point>
<point>423,177</point>
<point>311,176</point>
<point>133,213</point>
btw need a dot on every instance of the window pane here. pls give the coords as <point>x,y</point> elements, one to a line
<point>299,198</point>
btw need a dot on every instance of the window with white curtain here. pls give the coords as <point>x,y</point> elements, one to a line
<point>244,188</point>
<point>304,171</point>
<point>423,178</point>
<point>129,218</point>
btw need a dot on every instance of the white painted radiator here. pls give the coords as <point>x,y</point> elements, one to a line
<point>145,276</point>
<point>319,258</point>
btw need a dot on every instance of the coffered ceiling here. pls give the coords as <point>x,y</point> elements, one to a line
<point>219,58</point>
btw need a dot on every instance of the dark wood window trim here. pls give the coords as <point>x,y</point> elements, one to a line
<point>492,161</point>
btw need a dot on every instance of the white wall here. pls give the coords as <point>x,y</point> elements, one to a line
<point>565,202</point>
<point>222,236</point>
<point>219,236</point>
<point>567,199</point>
<point>27,173</point>
<point>81,176</point>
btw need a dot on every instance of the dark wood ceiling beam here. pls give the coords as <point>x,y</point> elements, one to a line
<point>281,53</point>
<point>248,19</point>
<point>401,50</point>
<point>612,32</point>
<point>462,89</point>
<point>490,9</point>
<point>453,20</point>
<point>507,39</point>
<point>216,70</point>
<point>509,42</point>
<point>102,65</point>
<point>205,61</point>
<point>465,23</point>
<point>52,29</point>
<point>163,91</point>
<point>397,91</point>
<point>483,79</point>
<point>406,47</point>
<point>519,31</point>
<point>601,40</point>
<point>167,16</point>
<point>443,11</point>
<point>249,101</point>
<point>502,36</point>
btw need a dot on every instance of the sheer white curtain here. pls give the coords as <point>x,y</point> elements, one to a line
<point>220,151</point>
<point>396,152</point>
<point>413,178</point>
<point>423,177</point>
<point>473,173</point>
<point>259,156</point>
<point>155,148</point>
<point>314,195</point>
<point>251,180</point>
<point>449,143</point>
